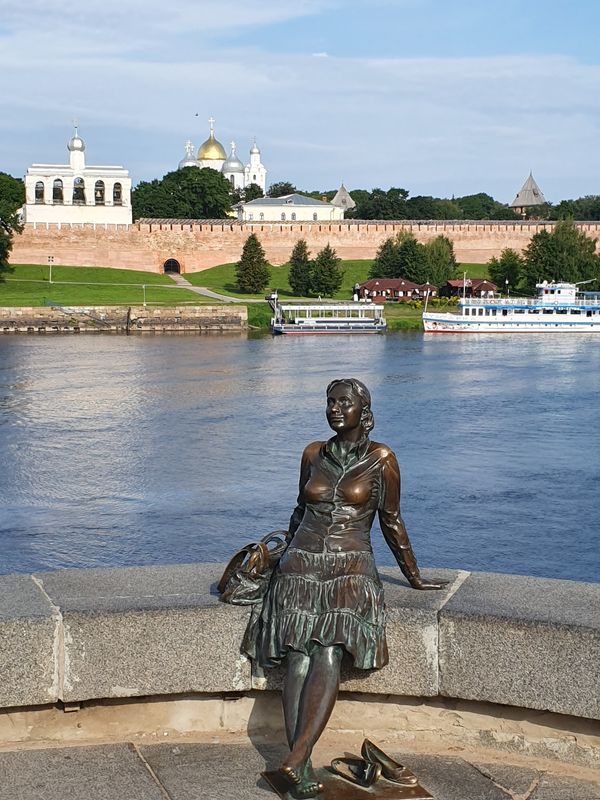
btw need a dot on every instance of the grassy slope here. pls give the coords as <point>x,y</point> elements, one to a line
<point>22,287</point>
<point>220,279</point>
<point>399,316</point>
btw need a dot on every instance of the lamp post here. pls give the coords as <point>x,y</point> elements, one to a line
<point>50,262</point>
<point>507,289</point>
<point>144,291</point>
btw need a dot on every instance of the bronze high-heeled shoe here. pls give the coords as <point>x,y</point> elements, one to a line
<point>390,769</point>
<point>357,770</point>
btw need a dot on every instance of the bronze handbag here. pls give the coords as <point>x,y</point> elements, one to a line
<point>247,576</point>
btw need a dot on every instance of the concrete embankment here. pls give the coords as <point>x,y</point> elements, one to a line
<point>499,662</point>
<point>122,319</point>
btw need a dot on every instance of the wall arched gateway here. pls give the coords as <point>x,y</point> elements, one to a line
<point>172,265</point>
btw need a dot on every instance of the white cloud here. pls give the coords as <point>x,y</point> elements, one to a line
<point>432,125</point>
<point>135,24</point>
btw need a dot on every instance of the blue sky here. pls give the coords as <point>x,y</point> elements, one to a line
<point>437,97</point>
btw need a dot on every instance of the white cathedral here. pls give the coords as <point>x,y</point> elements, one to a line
<point>211,154</point>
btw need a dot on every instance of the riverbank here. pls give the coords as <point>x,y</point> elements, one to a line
<point>119,319</point>
<point>34,285</point>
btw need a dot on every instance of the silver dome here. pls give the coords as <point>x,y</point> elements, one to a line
<point>189,159</point>
<point>76,143</point>
<point>232,164</point>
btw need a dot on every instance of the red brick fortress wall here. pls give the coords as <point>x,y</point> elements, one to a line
<point>199,245</point>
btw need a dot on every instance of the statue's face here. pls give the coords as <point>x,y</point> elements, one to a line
<point>344,408</point>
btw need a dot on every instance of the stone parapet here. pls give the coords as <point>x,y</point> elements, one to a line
<point>122,319</point>
<point>200,244</point>
<point>79,635</point>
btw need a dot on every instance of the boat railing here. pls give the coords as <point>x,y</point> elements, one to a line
<point>544,300</point>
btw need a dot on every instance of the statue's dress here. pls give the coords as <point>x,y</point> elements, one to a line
<point>326,588</point>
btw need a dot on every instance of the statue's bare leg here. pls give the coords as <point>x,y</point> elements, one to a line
<point>314,706</point>
<point>295,676</point>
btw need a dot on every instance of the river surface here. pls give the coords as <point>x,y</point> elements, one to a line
<point>155,450</point>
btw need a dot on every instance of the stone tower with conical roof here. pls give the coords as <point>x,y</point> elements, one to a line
<point>343,199</point>
<point>529,196</point>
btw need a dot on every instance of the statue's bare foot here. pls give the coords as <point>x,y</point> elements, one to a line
<point>304,783</point>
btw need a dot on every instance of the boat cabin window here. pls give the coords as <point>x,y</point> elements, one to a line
<point>481,312</point>
<point>504,312</point>
<point>493,312</point>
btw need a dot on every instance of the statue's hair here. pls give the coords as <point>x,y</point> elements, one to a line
<point>361,391</point>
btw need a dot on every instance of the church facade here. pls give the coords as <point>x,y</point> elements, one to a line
<point>211,154</point>
<point>76,192</point>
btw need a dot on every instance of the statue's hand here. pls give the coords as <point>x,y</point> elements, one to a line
<point>421,583</point>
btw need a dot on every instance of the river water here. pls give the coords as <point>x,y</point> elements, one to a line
<point>155,450</point>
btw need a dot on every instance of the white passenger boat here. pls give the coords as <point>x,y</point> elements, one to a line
<point>303,318</point>
<point>557,307</point>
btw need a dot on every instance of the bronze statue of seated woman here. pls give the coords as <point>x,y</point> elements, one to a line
<point>325,597</point>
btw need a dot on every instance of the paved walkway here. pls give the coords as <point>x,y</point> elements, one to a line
<point>185,284</point>
<point>226,771</point>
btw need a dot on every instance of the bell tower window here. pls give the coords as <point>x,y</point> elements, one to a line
<point>57,191</point>
<point>78,192</point>
<point>99,193</point>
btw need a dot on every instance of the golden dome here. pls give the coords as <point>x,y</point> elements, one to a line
<point>211,150</point>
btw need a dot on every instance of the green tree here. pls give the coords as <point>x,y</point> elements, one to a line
<point>393,258</point>
<point>188,193</point>
<point>447,209</point>
<point>252,271</point>
<point>441,261</point>
<point>301,269</point>
<point>412,261</point>
<point>385,261</point>
<point>509,267</point>
<point>327,275</point>
<point>483,206</point>
<point>280,189</point>
<point>12,197</point>
<point>583,208</point>
<point>422,207</point>
<point>252,192</point>
<point>566,254</point>
<point>379,204</point>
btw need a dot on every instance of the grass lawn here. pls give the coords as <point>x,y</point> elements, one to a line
<point>221,279</point>
<point>28,285</point>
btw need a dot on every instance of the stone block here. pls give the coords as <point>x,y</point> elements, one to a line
<point>412,635</point>
<point>28,644</point>
<point>523,641</point>
<point>452,778</point>
<point>552,787</point>
<point>147,631</point>
<point>106,772</point>
<point>212,771</point>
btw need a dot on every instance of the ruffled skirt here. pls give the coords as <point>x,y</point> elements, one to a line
<point>328,598</point>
